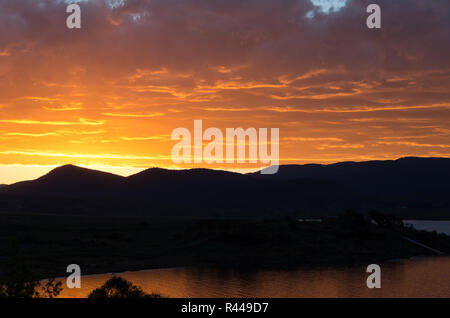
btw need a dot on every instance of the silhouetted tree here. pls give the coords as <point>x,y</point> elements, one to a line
<point>117,287</point>
<point>386,220</point>
<point>19,281</point>
<point>353,218</point>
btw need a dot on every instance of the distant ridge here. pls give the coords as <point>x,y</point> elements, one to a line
<point>417,187</point>
<point>403,165</point>
<point>68,180</point>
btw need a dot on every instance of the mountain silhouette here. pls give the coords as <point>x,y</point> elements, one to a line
<point>415,187</point>
<point>69,180</point>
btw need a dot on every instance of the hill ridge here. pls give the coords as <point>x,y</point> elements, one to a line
<point>412,186</point>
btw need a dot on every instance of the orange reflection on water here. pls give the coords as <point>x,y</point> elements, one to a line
<point>424,277</point>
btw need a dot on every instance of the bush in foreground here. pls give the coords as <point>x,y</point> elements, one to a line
<point>19,281</point>
<point>117,287</point>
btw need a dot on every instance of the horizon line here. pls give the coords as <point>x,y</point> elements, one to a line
<point>137,170</point>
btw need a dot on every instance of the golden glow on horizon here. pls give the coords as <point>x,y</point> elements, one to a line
<point>110,94</point>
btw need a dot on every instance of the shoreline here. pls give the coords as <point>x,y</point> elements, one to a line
<point>116,245</point>
<point>281,269</point>
<point>175,282</point>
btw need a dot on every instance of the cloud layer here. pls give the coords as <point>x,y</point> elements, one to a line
<point>138,69</point>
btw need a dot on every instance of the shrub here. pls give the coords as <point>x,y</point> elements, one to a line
<point>117,287</point>
<point>21,282</point>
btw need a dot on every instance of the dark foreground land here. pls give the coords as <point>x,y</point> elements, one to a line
<point>112,244</point>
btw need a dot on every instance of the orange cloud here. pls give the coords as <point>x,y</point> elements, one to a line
<point>147,115</point>
<point>344,95</point>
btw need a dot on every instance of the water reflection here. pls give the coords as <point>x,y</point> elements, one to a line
<point>424,277</point>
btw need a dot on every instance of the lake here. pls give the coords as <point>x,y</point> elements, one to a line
<point>427,225</point>
<point>418,277</point>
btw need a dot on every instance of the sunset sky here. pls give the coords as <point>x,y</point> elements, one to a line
<point>109,95</point>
